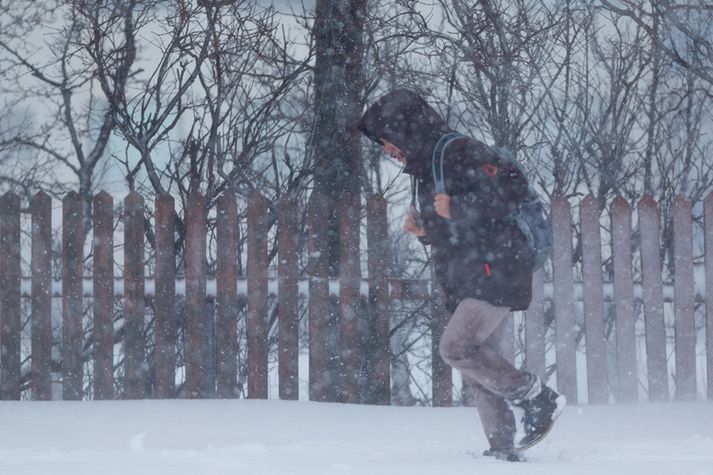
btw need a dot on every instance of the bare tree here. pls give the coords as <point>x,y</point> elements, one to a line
<point>69,122</point>
<point>183,96</point>
<point>681,30</point>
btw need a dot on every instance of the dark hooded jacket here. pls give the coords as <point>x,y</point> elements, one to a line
<point>480,252</point>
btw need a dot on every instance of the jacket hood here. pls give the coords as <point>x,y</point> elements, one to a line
<point>405,119</point>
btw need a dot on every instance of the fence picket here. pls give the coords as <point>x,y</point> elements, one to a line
<point>72,285</point>
<point>508,342</point>
<point>653,299</point>
<point>627,381</point>
<point>379,352</point>
<point>134,340</point>
<point>227,282</point>
<point>684,295</point>
<point>196,325</point>
<point>103,279</point>
<point>165,297</point>
<point>321,377</point>
<point>10,321</point>
<point>351,382</point>
<point>41,318</point>
<point>565,347</point>
<point>597,382</point>
<point>535,328</point>
<point>288,295</point>
<point>708,233</point>
<point>441,373</point>
<point>257,320</point>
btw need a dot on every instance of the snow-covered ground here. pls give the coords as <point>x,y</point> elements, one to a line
<point>301,438</point>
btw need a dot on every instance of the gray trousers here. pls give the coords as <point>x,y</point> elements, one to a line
<point>472,344</point>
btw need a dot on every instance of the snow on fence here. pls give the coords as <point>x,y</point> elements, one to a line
<point>359,372</point>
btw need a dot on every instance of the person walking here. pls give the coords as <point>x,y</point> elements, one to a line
<point>482,261</point>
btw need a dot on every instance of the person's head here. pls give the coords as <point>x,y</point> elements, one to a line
<point>406,126</point>
<point>393,151</point>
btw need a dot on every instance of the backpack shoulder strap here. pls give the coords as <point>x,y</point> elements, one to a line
<point>437,159</point>
<point>414,192</point>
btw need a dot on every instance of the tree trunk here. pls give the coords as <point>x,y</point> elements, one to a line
<point>333,146</point>
<point>338,85</point>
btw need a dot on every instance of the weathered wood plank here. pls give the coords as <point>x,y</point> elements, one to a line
<point>103,279</point>
<point>653,299</point>
<point>288,295</point>
<point>165,297</point>
<point>351,378</point>
<point>41,318</point>
<point>593,294</point>
<point>535,329</point>
<point>441,372</point>
<point>227,282</point>
<point>627,381</point>
<point>10,320</point>
<point>684,296</point>
<point>566,347</point>
<point>321,379</point>
<point>708,234</point>
<point>134,317</point>
<point>72,290</point>
<point>379,354</point>
<point>196,324</point>
<point>257,319</point>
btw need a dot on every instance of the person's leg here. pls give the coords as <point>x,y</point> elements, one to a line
<point>495,415</point>
<point>471,344</point>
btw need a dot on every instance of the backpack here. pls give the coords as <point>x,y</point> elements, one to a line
<point>529,217</point>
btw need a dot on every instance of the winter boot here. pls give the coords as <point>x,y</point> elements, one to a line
<point>537,413</point>
<point>509,455</point>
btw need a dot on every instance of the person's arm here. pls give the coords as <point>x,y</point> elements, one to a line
<point>412,225</point>
<point>484,189</point>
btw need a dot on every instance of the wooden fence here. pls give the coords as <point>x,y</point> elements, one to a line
<point>361,376</point>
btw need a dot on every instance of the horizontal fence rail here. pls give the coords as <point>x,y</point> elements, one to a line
<point>594,331</point>
<point>414,287</point>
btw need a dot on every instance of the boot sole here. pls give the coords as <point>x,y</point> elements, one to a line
<point>506,456</point>
<point>561,403</point>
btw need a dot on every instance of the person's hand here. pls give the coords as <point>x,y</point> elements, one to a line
<point>411,225</point>
<point>442,204</point>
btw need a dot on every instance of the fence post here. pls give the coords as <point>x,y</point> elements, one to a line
<point>41,270</point>
<point>134,341</point>
<point>566,346</point>
<point>593,294</point>
<point>103,270</point>
<point>684,296</point>
<point>708,213</point>
<point>165,297</point>
<point>288,298</point>
<point>10,321</point>
<point>627,382</point>
<point>72,285</point>
<point>257,321</point>
<point>653,299</point>
<point>535,329</point>
<point>349,298</point>
<point>441,373</point>
<point>321,378</point>
<point>227,282</point>
<point>196,326</point>
<point>508,341</point>
<point>379,353</point>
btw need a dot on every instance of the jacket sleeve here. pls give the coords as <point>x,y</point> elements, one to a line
<point>483,189</point>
